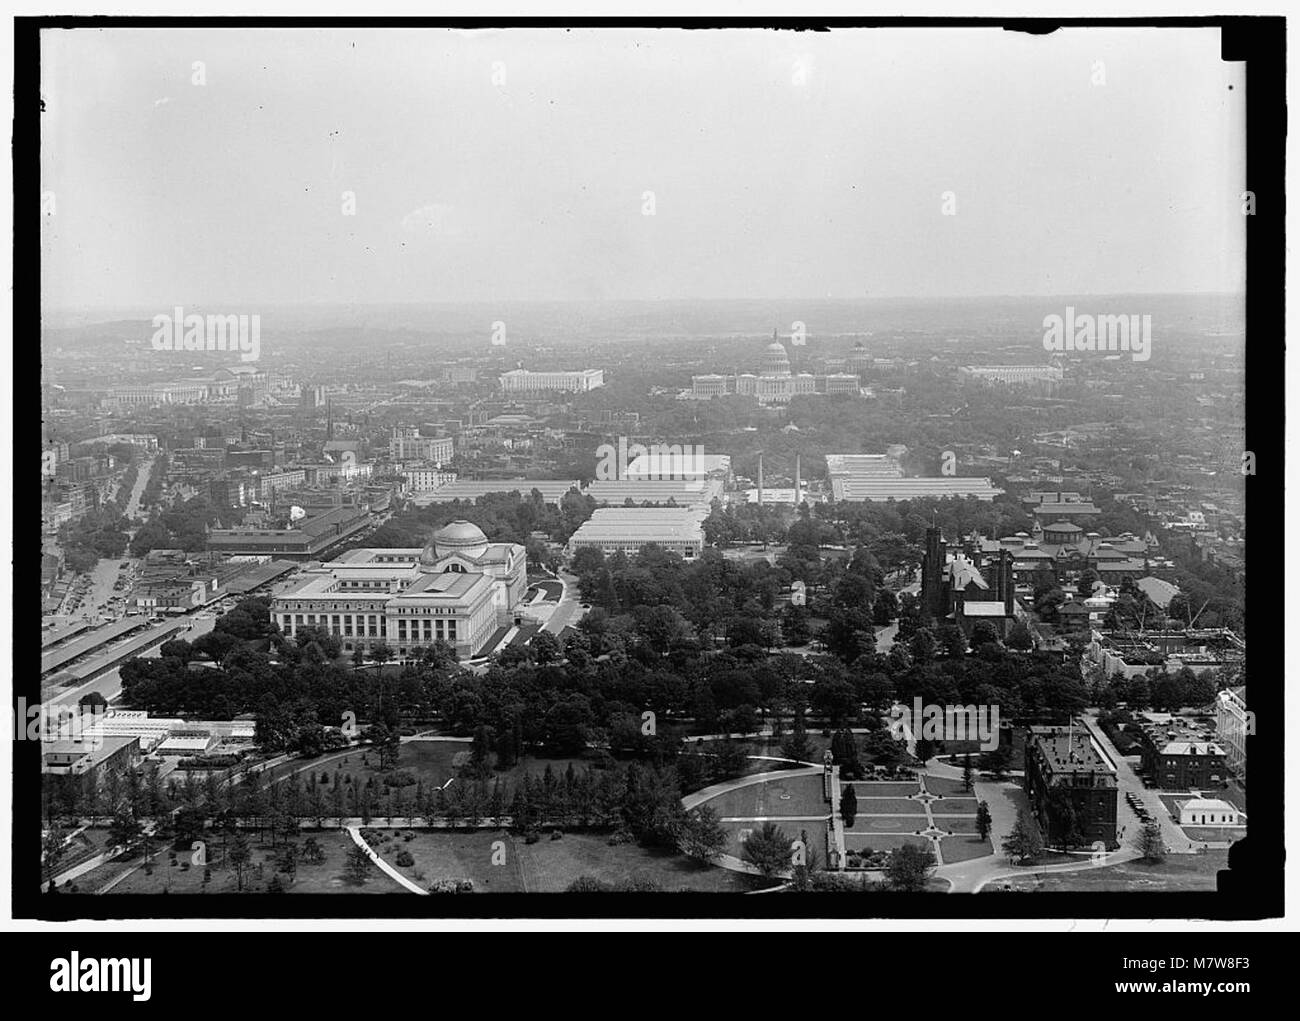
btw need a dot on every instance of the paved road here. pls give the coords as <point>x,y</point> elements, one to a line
<point>569,610</point>
<point>1175,840</point>
<point>141,480</point>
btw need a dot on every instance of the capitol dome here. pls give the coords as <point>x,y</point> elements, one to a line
<point>776,362</point>
<point>456,537</point>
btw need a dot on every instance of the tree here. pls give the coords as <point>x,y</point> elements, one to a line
<point>124,830</point>
<point>700,835</point>
<point>52,846</point>
<point>312,853</point>
<point>288,861</point>
<point>381,652</point>
<point>545,647</point>
<point>983,633</point>
<point>909,867</point>
<point>768,849</point>
<point>1025,842</point>
<point>983,820</point>
<point>844,749</point>
<point>1019,637</point>
<point>357,866</point>
<point>388,742</point>
<point>967,772</point>
<point>996,761</point>
<point>796,746</point>
<point>922,645</point>
<point>1151,842</point>
<point>848,805</point>
<point>238,857</point>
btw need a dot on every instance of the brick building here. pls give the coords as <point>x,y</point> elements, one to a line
<point>1072,785</point>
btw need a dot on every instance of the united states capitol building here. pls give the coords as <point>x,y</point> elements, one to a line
<point>459,589</point>
<point>774,382</point>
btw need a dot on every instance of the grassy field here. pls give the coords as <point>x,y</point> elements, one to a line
<point>946,786</point>
<point>497,862</point>
<point>796,795</point>
<point>889,806</point>
<point>955,806</point>
<point>1178,872</point>
<point>883,789</point>
<point>816,833</point>
<point>886,824</point>
<point>431,762</point>
<point>326,877</point>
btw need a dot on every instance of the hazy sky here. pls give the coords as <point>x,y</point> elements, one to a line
<point>782,164</point>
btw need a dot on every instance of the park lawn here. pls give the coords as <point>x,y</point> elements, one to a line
<point>964,848</point>
<point>1178,872</point>
<point>883,788</point>
<point>489,858</point>
<point>433,762</point>
<point>889,806</point>
<point>550,866</point>
<point>497,862</point>
<point>886,824</point>
<point>783,796</point>
<point>326,877</point>
<point>1214,834</point>
<point>946,786</point>
<point>955,806</point>
<point>815,829</point>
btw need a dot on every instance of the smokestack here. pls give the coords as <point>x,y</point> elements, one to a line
<point>760,478</point>
<point>797,485</point>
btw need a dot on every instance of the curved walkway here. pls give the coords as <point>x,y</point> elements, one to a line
<point>373,855</point>
<point>692,801</point>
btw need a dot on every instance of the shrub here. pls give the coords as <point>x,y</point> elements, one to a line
<point>588,884</point>
<point>452,886</point>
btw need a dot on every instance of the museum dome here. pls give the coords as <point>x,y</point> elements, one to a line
<point>456,537</point>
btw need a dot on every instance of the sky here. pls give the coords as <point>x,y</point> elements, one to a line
<point>235,168</point>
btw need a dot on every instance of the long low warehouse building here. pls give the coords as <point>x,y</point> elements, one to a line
<point>682,492</point>
<point>880,490</point>
<point>628,529</point>
<point>469,490</point>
